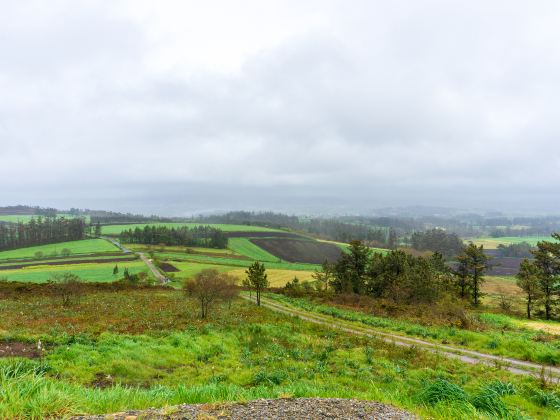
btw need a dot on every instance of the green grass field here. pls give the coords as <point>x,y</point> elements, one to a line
<point>117,229</point>
<point>492,243</point>
<point>243,246</point>
<point>189,269</point>
<point>94,272</point>
<point>69,260</point>
<point>86,246</point>
<point>148,348</point>
<point>235,262</point>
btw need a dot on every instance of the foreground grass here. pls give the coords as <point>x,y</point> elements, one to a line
<point>139,348</point>
<point>86,246</point>
<point>495,334</point>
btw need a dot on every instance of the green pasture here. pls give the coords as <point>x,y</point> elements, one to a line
<point>70,260</point>
<point>91,272</point>
<point>244,246</point>
<point>86,246</point>
<point>117,229</point>
<point>189,269</point>
<point>492,243</point>
<point>207,259</point>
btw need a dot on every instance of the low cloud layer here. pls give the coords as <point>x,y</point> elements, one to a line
<point>330,106</point>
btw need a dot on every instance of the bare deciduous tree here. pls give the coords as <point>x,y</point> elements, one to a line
<point>210,286</point>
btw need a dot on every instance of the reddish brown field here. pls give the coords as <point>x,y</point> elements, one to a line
<point>302,251</point>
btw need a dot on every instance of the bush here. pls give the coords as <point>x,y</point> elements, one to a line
<point>68,286</point>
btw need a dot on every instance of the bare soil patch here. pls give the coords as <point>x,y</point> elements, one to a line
<point>18,349</point>
<point>504,266</point>
<point>168,268</point>
<point>297,250</point>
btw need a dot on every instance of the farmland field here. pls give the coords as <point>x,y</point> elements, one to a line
<point>492,243</point>
<point>230,260</point>
<point>244,246</point>
<point>86,246</point>
<point>278,278</point>
<point>117,229</point>
<point>301,251</point>
<point>93,272</point>
<point>189,269</point>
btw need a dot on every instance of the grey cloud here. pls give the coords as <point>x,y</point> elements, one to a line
<point>408,103</point>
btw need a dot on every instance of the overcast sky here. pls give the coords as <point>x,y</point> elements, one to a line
<point>177,107</point>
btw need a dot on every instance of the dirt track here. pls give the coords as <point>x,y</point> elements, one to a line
<point>153,268</point>
<point>516,366</point>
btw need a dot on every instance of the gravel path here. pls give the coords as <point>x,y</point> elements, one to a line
<point>519,367</point>
<point>278,409</point>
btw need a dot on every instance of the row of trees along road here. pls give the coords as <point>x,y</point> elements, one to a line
<point>41,231</point>
<point>540,277</point>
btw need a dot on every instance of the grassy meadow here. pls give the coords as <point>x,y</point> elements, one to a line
<point>86,246</point>
<point>91,272</point>
<point>492,243</point>
<point>100,359</point>
<point>244,246</point>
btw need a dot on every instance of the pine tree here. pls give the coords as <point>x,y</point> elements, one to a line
<point>528,280</point>
<point>257,279</point>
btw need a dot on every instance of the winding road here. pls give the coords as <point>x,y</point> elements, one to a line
<point>157,274</point>
<point>516,366</point>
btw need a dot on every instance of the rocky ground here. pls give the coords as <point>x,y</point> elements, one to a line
<point>296,408</point>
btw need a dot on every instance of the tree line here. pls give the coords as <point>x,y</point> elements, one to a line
<point>396,275</point>
<point>326,228</point>
<point>203,236</point>
<point>41,231</point>
<point>437,240</point>
<point>402,277</point>
<point>540,277</point>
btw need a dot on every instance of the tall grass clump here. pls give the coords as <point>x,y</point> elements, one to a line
<point>442,390</point>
